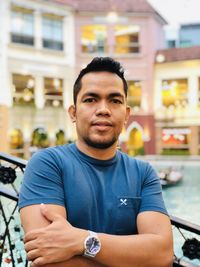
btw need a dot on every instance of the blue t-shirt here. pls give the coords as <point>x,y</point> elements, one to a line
<point>99,195</point>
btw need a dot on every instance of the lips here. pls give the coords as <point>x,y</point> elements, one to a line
<point>102,123</point>
<point>102,126</point>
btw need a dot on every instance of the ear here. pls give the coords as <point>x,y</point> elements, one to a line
<point>128,111</point>
<point>72,113</point>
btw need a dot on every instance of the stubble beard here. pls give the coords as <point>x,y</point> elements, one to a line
<point>100,144</point>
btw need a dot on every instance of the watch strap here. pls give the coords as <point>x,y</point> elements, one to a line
<point>88,253</point>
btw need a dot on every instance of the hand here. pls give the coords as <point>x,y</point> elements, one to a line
<point>57,242</point>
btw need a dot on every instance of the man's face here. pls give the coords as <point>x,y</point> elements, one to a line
<point>101,110</point>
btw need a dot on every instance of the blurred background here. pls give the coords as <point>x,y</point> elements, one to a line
<point>44,44</point>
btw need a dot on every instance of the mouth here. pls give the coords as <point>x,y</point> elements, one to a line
<point>102,125</point>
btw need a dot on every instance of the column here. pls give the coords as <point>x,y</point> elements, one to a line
<point>5,91</point>
<point>38,29</point>
<point>158,140</point>
<point>194,141</point>
<point>157,94</point>
<point>193,91</point>
<point>39,92</point>
<point>68,91</point>
<point>4,142</point>
<point>69,38</point>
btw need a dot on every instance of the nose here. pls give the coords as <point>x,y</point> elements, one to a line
<point>103,109</point>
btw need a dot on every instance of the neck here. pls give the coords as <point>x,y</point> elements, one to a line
<point>102,154</point>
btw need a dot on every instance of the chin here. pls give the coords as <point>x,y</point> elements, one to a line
<point>99,143</point>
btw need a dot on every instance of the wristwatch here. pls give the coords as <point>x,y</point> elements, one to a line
<point>92,245</point>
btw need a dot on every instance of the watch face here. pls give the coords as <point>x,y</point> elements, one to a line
<point>93,245</point>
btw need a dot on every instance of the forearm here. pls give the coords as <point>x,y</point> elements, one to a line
<point>144,250</point>
<point>79,261</point>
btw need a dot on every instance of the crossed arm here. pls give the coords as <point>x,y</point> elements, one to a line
<point>51,241</point>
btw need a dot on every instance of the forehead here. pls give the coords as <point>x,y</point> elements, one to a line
<point>102,81</point>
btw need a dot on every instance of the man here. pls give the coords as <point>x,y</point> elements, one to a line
<point>101,207</point>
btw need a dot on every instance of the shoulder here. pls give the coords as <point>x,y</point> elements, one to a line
<point>135,165</point>
<point>132,161</point>
<point>51,155</point>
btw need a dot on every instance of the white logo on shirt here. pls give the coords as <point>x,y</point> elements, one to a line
<point>123,201</point>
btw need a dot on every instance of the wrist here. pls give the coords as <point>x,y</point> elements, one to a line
<point>79,246</point>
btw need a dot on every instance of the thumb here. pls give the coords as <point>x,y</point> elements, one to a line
<point>48,214</point>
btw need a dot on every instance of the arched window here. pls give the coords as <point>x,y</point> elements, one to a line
<point>135,143</point>
<point>16,139</point>
<point>40,138</point>
<point>60,138</point>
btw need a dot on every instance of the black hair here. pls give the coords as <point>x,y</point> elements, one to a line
<point>96,65</point>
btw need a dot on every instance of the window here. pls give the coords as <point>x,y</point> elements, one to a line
<point>126,39</point>
<point>93,38</point>
<point>175,141</point>
<point>134,93</point>
<point>174,92</point>
<point>16,139</point>
<point>40,138</point>
<point>175,136</point>
<point>53,92</point>
<point>171,43</point>
<point>23,89</point>
<point>52,30</point>
<point>135,144</point>
<point>22,30</point>
<point>185,43</point>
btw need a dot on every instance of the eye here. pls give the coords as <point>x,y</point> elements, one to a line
<point>116,101</point>
<point>89,100</point>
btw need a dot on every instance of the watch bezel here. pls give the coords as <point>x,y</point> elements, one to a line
<point>88,245</point>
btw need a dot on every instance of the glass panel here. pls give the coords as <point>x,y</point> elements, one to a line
<point>16,139</point>
<point>60,138</point>
<point>126,39</point>
<point>52,28</point>
<point>134,93</point>
<point>23,89</point>
<point>175,136</point>
<point>135,144</point>
<point>175,92</point>
<point>175,141</point>
<point>22,29</point>
<point>53,91</point>
<point>93,38</point>
<point>40,138</point>
<point>185,43</point>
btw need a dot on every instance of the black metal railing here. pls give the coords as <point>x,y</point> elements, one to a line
<point>11,233</point>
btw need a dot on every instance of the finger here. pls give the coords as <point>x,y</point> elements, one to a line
<point>30,245</point>
<point>33,254</point>
<point>32,235</point>
<point>37,262</point>
<point>48,214</point>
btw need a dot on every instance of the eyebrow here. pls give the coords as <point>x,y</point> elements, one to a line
<point>116,95</point>
<point>97,95</point>
<point>90,94</point>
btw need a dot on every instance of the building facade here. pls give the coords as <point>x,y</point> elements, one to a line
<point>131,32</point>
<point>177,101</point>
<point>44,44</point>
<point>37,69</point>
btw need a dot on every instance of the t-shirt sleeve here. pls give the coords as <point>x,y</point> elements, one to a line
<point>42,182</point>
<point>151,195</point>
